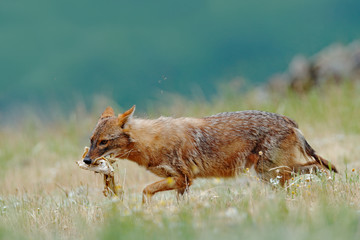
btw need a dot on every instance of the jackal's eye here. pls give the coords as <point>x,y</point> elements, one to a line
<point>103,142</point>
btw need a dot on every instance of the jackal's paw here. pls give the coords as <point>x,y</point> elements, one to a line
<point>146,198</point>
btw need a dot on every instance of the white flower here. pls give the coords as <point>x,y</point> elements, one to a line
<point>274,181</point>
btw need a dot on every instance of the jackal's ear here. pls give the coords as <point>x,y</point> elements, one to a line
<point>126,116</point>
<point>109,112</point>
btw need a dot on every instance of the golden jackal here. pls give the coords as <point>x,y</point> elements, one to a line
<point>222,145</point>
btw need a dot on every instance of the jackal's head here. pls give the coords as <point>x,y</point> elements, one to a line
<point>110,136</point>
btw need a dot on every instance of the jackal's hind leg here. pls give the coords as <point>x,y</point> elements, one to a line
<point>268,171</point>
<point>307,168</point>
<point>170,183</point>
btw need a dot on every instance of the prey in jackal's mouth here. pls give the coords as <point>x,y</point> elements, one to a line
<point>104,166</point>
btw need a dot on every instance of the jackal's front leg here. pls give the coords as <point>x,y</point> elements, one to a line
<point>170,183</point>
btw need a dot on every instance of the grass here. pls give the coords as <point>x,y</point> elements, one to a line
<point>44,195</point>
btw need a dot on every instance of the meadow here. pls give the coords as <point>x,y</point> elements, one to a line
<point>44,195</point>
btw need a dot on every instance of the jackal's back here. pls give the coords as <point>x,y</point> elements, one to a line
<point>249,127</point>
<point>252,118</point>
<point>223,143</point>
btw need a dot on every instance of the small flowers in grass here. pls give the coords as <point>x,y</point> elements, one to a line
<point>353,177</point>
<point>275,181</point>
<point>300,185</point>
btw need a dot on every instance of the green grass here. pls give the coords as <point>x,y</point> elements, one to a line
<point>268,215</point>
<point>44,195</point>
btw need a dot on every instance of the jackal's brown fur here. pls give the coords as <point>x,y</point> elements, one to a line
<point>221,145</point>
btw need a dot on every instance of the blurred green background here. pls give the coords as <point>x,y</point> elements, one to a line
<point>134,51</point>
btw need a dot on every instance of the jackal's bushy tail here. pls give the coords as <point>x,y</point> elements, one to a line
<point>310,152</point>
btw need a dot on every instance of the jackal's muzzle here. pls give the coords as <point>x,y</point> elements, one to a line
<point>87,160</point>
